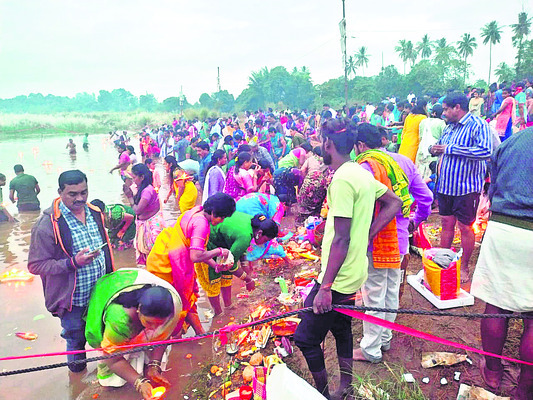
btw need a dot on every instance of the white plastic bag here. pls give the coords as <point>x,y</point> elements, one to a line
<point>283,384</point>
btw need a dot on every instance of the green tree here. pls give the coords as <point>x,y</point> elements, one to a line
<point>171,104</point>
<point>85,102</point>
<point>443,52</point>
<point>105,101</point>
<point>389,82</point>
<point>148,102</point>
<point>350,66</point>
<point>256,84</point>
<point>331,92</point>
<point>521,30</point>
<point>301,92</point>
<point>401,49</point>
<point>124,100</point>
<point>206,100</point>
<point>491,34</point>
<point>466,47</point>
<point>504,72</point>
<point>407,52</point>
<point>361,58</point>
<point>424,47</point>
<point>223,101</point>
<point>426,76</point>
<point>365,89</point>
<point>527,62</point>
<point>247,101</point>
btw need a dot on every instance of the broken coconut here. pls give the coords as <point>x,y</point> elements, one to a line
<point>256,359</point>
<point>248,374</point>
<point>433,359</point>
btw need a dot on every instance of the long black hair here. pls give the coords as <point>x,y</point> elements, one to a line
<point>144,171</point>
<point>269,227</point>
<point>173,166</point>
<point>241,159</point>
<point>152,301</point>
<point>419,108</point>
<point>217,155</point>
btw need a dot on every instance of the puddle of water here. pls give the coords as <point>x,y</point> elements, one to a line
<point>46,159</point>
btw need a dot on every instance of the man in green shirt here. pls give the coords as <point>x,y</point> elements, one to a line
<point>27,189</point>
<point>4,214</point>
<point>349,228</point>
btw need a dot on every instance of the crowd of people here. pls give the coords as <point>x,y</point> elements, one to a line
<point>375,173</point>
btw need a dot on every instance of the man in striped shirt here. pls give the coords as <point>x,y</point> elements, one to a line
<point>464,148</point>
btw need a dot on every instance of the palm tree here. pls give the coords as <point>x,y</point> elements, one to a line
<point>361,58</point>
<point>412,53</point>
<point>424,47</point>
<point>504,72</point>
<point>407,52</point>
<point>491,34</point>
<point>401,50</point>
<point>466,47</point>
<point>350,66</point>
<point>443,51</point>
<point>520,31</point>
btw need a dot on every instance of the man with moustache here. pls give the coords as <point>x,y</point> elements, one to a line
<point>70,250</point>
<point>350,226</point>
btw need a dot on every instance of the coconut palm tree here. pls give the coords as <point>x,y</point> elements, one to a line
<point>350,66</point>
<point>466,47</point>
<point>424,47</point>
<point>520,32</point>
<point>504,72</point>
<point>443,51</point>
<point>491,34</point>
<point>361,58</point>
<point>401,50</point>
<point>407,52</point>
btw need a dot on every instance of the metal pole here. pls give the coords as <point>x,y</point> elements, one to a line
<point>345,59</point>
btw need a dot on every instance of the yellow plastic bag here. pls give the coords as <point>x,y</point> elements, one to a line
<point>444,283</point>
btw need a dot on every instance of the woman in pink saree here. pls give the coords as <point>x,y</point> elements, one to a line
<point>145,203</point>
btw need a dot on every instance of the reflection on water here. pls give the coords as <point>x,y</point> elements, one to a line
<point>23,305</point>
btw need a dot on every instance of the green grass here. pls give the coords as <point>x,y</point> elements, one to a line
<point>395,387</point>
<point>13,125</point>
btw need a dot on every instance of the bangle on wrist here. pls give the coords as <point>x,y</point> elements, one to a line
<point>155,364</point>
<point>244,276</point>
<point>139,382</point>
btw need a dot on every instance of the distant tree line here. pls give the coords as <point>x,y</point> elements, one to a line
<point>434,67</point>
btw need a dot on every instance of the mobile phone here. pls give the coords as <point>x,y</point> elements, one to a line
<point>98,247</point>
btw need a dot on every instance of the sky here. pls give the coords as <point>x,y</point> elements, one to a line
<point>64,47</point>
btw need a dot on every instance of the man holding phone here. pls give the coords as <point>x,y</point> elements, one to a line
<point>70,251</point>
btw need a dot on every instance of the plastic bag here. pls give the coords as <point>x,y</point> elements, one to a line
<point>444,283</point>
<point>420,238</point>
<point>283,384</point>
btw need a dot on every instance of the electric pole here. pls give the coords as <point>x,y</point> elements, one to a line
<point>344,59</point>
<point>218,79</point>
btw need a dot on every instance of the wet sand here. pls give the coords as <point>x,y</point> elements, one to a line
<point>23,303</point>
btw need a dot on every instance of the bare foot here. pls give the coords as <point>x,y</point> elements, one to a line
<point>358,355</point>
<point>465,276</point>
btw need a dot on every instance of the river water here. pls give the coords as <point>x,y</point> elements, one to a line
<point>23,303</point>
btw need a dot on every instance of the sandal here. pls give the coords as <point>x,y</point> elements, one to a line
<point>492,378</point>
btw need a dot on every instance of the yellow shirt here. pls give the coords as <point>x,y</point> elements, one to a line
<point>352,194</point>
<point>410,136</point>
